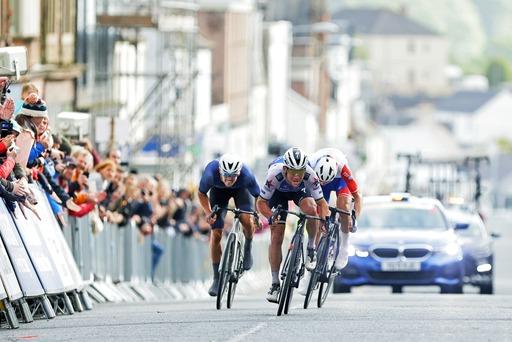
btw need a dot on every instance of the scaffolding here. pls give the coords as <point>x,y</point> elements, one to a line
<point>142,71</point>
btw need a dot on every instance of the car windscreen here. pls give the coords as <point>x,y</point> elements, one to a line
<point>399,216</point>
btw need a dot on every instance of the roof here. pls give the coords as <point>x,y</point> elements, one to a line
<point>423,136</point>
<point>380,22</point>
<point>465,101</point>
<point>401,102</point>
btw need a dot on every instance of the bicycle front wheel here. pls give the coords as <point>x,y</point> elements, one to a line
<point>233,280</point>
<point>225,270</point>
<point>325,287</point>
<point>291,272</point>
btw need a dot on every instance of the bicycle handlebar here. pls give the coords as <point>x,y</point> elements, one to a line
<point>335,210</point>
<point>236,211</point>
<point>352,215</point>
<point>277,210</point>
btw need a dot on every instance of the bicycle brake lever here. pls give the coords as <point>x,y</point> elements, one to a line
<point>354,221</point>
<point>215,209</point>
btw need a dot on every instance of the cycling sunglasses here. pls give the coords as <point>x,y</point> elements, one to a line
<point>298,173</point>
<point>230,175</point>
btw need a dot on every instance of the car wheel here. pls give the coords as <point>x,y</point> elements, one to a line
<point>396,289</point>
<point>339,288</point>
<point>451,289</point>
<point>487,289</point>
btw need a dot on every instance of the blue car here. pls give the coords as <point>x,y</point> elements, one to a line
<point>403,240</point>
<point>477,247</point>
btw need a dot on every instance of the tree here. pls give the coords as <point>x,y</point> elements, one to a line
<point>498,71</point>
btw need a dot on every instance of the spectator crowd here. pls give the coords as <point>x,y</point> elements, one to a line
<point>77,180</point>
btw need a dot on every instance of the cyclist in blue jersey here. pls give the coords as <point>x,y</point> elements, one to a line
<point>222,180</point>
<point>290,178</point>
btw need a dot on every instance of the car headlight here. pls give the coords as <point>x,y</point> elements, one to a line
<point>451,249</point>
<point>484,268</point>
<point>352,250</point>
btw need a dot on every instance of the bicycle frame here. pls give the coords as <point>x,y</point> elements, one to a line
<point>293,267</point>
<point>232,258</point>
<point>324,269</point>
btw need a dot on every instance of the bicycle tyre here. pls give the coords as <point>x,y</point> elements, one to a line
<point>325,287</point>
<point>291,273</point>
<point>295,279</point>
<point>282,278</point>
<point>289,266</point>
<point>225,270</point>
<point>320,266</point>
<point>233,280</point>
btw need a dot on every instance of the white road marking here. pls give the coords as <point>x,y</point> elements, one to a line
<point>248,332</point>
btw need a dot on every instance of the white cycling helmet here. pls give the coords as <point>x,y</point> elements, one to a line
<point>326,169</point>
<point>295,159</point>
<point>230,164</point>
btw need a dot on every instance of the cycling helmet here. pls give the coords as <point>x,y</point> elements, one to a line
<point>230,164</point>
<point>326,169</point>
<point>295,159</point>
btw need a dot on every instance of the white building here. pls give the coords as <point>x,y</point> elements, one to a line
<point>477,118</point>
<point>404,56</point>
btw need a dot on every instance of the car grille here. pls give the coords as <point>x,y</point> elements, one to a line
<point>416,252</point>
<point>386,252</point>
<point>411,252</point>
<point>401,275</point>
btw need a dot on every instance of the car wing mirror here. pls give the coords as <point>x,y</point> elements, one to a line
<point>461,226</point>
<point>495,235</point>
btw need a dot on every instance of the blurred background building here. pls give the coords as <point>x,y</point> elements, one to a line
<point>174,84</point>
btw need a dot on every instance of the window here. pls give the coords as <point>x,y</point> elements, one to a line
<point>391,216</point>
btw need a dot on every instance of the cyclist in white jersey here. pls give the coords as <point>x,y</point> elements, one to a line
<point>290,178</point>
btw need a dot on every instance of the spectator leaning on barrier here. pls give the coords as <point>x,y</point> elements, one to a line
<point>34,111</point>
<point>13,183</point>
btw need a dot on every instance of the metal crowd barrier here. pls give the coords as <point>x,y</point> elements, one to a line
<point>38,274</point>
<point>118,262</point>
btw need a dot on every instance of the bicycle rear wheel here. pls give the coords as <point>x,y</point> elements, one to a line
<point>233,280</point>
<point>225,270</point>
<point>325,287</point>
<point>319,269</point>
<point>289,269</point>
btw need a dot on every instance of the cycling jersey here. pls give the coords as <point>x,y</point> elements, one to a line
<point>241,191</point>
<point>276,180</point>
<point>343,171</point>
<point>211,179</point>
